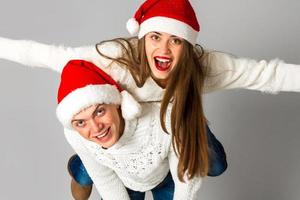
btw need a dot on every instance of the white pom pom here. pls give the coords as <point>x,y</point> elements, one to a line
<point>132,26</point>
<point>130,107</point>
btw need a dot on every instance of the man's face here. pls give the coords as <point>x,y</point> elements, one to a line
<point>101,123</point>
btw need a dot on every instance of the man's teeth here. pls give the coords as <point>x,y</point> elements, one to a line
<point>103,134</point>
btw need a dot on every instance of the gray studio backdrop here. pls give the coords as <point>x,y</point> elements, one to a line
<point>260,132</point>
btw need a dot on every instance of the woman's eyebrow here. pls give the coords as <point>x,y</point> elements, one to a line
<point>156,33</point>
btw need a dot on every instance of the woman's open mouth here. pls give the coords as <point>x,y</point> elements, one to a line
<point>162,63</point>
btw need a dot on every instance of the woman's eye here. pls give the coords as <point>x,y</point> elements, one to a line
<point>176,41</point>
<point>154,37</point>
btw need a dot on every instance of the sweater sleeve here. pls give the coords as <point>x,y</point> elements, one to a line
<point>187,190</point>
<point>53,57</point>
<point>225,71</point>
<point>108,184</point>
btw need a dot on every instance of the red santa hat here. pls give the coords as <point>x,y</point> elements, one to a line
<point>84,84</point>
<point>176,17</point>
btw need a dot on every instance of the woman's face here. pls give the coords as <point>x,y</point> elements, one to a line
<point>163,52</point>
<point>100,123</point>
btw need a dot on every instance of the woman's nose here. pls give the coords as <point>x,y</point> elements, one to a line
<point>165,47</point>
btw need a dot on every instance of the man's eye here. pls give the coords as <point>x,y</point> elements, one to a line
<point>100,112</point>
<point>80,124</point>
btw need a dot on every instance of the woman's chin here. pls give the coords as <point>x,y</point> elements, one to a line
<point>159,75</point>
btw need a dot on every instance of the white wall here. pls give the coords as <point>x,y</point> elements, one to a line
<point>259,131</point>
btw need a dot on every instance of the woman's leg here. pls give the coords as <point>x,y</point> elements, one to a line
<point>218,162</point>
<point>81,183</point>
<point>165,190</point>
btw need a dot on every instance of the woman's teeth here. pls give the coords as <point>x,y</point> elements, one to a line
<point>162,63</point>
<point>162,60</point>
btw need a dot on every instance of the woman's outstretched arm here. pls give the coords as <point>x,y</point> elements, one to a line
<point>229,72</point>
<point>35,54</point>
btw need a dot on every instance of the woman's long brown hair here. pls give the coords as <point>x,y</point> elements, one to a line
<point>184,90</point>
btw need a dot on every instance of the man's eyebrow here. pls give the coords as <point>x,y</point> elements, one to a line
<point>93,114</point>
<point>75,120</point>
<point>96,109</point>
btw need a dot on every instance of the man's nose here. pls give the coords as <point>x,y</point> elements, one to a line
<point>96,126</point>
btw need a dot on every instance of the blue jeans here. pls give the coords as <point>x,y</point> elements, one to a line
<point>218,161</point>
<point>218,164</point>
<point>163,191</point>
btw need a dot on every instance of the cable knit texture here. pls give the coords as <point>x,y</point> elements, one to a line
<point>141,159</point>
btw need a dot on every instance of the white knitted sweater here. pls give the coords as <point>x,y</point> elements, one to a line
<point>140,160</point>
<point>225,71</point>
